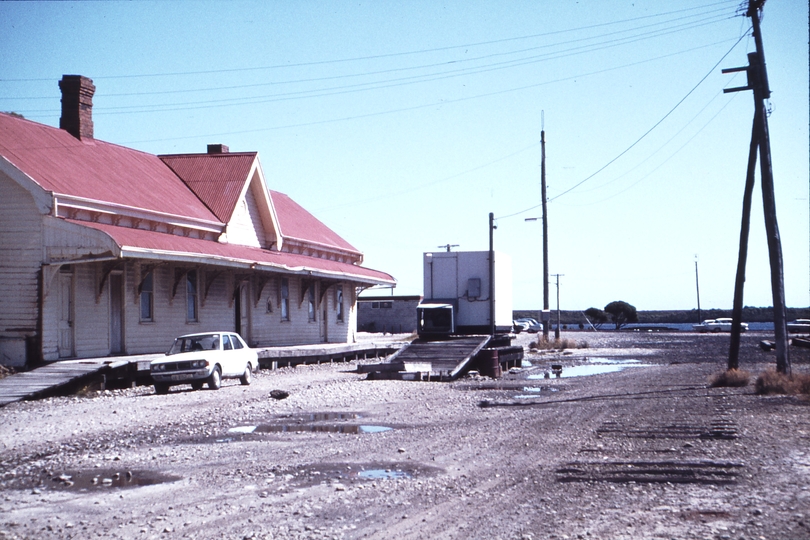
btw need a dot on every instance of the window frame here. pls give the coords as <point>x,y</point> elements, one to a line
<point>147,294</point>
<point>192,297</point>
<point>284,299</point>
<point>312,308</point>
<point>339,308</point>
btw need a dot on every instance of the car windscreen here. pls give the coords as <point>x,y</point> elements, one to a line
<point>202,342</point>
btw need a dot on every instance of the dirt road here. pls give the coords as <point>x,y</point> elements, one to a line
<point>645,452</point>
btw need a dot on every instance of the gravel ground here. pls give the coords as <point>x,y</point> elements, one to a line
<point>646,452</point>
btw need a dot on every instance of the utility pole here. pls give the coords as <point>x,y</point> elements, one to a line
<point>492,227</point>
<point>544,317</point>
<point>758,82</point>
<point>557,330</point>
<point>697,288</point>
<point>545,226</point>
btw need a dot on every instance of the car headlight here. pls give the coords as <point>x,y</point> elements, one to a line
<point>158,367</point>
<point>197,364</point>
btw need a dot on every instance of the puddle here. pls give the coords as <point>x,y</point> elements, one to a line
<point>309,428</point>
<point>351,473</point>
<point>93,479</point>
<point>383,474</point>
<point>596,366</point>
<point>535,390</point>
<point>327,416</point>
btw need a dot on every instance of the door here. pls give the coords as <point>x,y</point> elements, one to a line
<point>242,311</point>
<point>325,322</point>
<point>65,324</point>
<point>116,313</point>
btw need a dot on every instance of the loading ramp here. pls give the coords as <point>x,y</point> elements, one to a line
<point>429,360</point>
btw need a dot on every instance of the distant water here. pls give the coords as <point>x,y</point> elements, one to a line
<point>687,327</point>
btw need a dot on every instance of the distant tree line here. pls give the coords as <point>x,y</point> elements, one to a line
<point>573,318</point>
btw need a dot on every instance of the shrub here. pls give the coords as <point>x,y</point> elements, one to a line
<point>772,382</point>
<point>558,344</point>
<point>731,378</point>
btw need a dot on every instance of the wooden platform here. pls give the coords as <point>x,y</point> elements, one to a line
<point>276,357</point>
<point>64,375</point>
<point>48,379</point>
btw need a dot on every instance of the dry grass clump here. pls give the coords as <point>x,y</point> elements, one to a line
<point>558,344</point>
<point>6,371</point>
<point>733,378</point>
<point>772,382</point>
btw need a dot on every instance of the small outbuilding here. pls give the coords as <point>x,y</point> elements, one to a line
<point>106,250</point>
<point>391,314</point>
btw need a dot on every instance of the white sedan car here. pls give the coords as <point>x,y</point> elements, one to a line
<point>198,359</point>
<point>722,324</point>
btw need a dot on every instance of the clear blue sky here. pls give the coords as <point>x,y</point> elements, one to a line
<point>403,124</point>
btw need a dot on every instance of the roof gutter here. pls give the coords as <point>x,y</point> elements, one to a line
<point>140,253</point>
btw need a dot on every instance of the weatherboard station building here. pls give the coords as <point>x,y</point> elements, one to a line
<point>106,250</point>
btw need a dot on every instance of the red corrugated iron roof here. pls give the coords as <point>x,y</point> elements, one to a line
<point>142,243</point>
<point>217,179</point>
<point>295,222</point>
<point>96,170</point>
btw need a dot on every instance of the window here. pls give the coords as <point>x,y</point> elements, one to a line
<point>226,343</point>
<point>311,302</point>
<point>285,299</point>
<point>375,305</point>
<point>191,296</point>
<point>386,305</point>
<point>339,302</point>
<point>147,298</point>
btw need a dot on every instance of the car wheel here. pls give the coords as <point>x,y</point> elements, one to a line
<point>161,388</point>
<point>197,385</point>
<point>247,376</point>
<point>715,330</point>
<point>215,380</point>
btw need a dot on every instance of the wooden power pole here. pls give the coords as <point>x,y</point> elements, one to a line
<point>758,82</point>
<point>544,317</point>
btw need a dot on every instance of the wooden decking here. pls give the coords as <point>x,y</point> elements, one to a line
<point>65,375</point>
<point>49,379</point>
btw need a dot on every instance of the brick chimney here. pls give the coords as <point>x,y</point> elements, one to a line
<point>217,149</point>
<point>77,106</point>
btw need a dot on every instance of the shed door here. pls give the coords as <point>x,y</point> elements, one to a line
<point>65,315</point>
<point>116,314</point>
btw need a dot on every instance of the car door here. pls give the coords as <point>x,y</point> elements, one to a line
<point>229,363</point>
<point>246,354</point>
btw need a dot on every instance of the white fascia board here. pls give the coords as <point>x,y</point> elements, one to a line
<point>94,205</point>
<point>43,199</point>
<point>268,203</point>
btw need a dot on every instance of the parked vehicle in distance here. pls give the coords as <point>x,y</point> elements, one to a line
<point>799,326</point>
<point>205,358</point>
<point>530,325</point>
<point>519,326</point>
<point>723,324</point>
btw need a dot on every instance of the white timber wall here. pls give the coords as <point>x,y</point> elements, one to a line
<point>245,227</point>
<point>216,311</point>
<point>20,257</point>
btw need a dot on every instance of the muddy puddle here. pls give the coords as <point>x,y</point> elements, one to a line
<point>348,473</point>
<point>355,429</point>
<point>317,422</point>
<point>90,480</point>
<point>594,366</point>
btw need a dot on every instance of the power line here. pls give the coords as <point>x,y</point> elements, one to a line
<point>388,55</point>
<point>605,166</point>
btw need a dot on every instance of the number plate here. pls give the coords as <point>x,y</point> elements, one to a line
<point>182,376</point>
